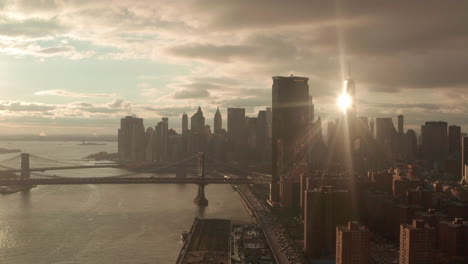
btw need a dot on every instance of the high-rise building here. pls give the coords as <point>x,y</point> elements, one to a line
<point>363,127</point>
<point>236,126</point>
<point>218,122</point>
<point>464,158</point>
<point>325,208</point>
<point>184,124</point>
<point>401,120</point>
<point>161,140</point>
<point>150,144</point>
<point>434,142</point>
<point>311,109</point>
<point>197,122</point>
<point>352,244</point>
<point>454,139</point>
<point>269,122</point>
<point>350,89</point>
<point>131,139</point>
<point>410,145</point>
<point>372,128</point>
<point>290,127</point>
<point>385,130</point>
<point>417,243</point>
<point>262,134</point>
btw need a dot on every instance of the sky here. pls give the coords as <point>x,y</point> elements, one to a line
<point>77,67</point>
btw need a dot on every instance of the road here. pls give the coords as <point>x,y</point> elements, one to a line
<point>282,247</point>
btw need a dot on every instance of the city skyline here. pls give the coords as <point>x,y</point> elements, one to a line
<point>159,60</point>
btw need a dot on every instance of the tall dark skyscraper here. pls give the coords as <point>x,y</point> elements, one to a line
<point>236,126</point>
<point>184,123</point>
<point>434,141</point>
<point>197,122</point>
<point>218,122</point>
<point>401,120</point>
<point>290,128</point>
<point>454,139</point>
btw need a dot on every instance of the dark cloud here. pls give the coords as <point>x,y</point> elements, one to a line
<point>190,94</point>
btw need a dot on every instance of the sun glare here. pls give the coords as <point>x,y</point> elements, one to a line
<point>344,101</point>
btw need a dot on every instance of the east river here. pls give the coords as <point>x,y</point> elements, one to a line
<point>101,223</point>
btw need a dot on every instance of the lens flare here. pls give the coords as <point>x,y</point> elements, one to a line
<point>344,101</point>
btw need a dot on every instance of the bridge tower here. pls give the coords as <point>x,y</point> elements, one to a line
<point>25,172</point>
<point>201,200</point>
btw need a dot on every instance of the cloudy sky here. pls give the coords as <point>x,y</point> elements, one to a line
<point>78,66</point>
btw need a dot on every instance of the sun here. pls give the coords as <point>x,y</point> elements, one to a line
<point>344,101</point>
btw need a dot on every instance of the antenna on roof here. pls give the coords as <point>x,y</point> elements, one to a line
<point>349,70</point>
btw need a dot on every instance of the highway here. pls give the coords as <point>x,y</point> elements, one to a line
<point>282,247</point>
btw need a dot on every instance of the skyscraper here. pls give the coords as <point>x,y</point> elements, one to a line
<point>290,126</point>
<point>311,109</point>
<point>236,125</point>
<point>350,89</point>
<point>352,244</point>
<point>464,158</point>
<point>161,140</point>
<point>131,139</point>
<point>417,243</point>
<point>184,124</point>
<point>401,124</point>
<point>454,139</point>
<point>218,122</point>
<point>385,130</point>
<point>197,122</point>
<point>434,142</point>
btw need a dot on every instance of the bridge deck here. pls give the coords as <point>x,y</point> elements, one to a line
<point>134,180</point>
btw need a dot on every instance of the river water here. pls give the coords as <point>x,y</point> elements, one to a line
<point>101,223</point>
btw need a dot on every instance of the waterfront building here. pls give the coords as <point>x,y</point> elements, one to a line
<point>131,139</point>
<point>208,242</point>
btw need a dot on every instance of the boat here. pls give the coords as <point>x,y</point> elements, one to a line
<point>15,188</point>
<point>83,143</point>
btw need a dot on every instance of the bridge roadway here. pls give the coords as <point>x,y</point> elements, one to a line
<point>133,180</point>
<point>68,168</point>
